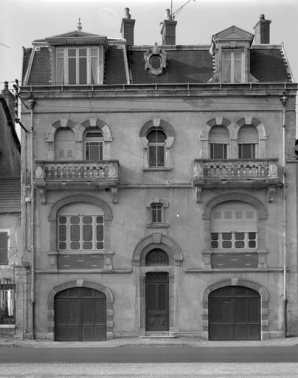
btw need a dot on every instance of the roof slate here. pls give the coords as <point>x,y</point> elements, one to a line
<point>114,67</point>
<point>41,67</point>
<point>10,195</point>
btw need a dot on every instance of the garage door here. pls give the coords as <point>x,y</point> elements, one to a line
<point>234,314</point>
<point>80,315</point>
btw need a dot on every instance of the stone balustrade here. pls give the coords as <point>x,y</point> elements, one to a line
<point>235,169</point>
<point>76,171</point>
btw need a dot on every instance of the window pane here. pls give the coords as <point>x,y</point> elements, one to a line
<point>155,61</point>
<point>99,232</point>
<point>62,220</point>
<point>87,220</point>
<point>87,245</point>
<point>214,244</point>
<point>62,233</point>
<point>246,151</point>
<point>227,244</point>
<point>75,220</point>
<point>239,244</point>
<point>218,151</point>
<point>74,233</point>
<point>227,237</point>
<point>60,66</point>
<point>94,70</point>
<point>239,235</point>
<point>160,156</point>
<point>72,66</point>
<point>62,245</point>
<point>99,219</point>
<point>83,70</point>
<point>152,156</point>
<point>156,213</point>
<point>99,245</point>
<point>252,244</point>
<point>87,232</point>
<point>226,68</point>
<point>74,245</point>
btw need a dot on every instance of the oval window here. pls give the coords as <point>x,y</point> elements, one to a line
<point>155,62</point>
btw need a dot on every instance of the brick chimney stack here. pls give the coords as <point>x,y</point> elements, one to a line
<point>168,30</point>
<point>262,31</point>
<point>127,28</point>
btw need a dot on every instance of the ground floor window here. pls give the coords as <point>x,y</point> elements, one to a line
<point>7,302</point>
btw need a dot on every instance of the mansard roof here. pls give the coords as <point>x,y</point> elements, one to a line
<point>185,64</point>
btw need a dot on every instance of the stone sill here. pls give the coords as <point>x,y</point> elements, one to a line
<point>7,326</point>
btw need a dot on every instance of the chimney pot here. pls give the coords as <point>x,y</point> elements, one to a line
<point>168,15</point>
<point>127,15</point>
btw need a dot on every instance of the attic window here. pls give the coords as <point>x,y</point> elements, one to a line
<point>155,60</point>
<point>233,67</point>
<point>77,65</point>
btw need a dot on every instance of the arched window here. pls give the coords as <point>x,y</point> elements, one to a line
<point>234,226</point>
<point>156,142</point>
<point>80,227</point>
<point>157,257</point>
<point>64,145</point>
<point>247,142</point>
<point>218,141</point>
<point>93,144</point>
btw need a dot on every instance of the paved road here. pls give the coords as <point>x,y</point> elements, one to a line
<point>142,354</point>
<point>149,370</point>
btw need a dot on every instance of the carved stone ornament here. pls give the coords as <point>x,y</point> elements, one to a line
<point>155,60</point>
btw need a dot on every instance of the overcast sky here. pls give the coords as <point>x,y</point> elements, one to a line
<point>22,21</point>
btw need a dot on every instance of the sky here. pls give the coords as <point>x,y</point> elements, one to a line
<point>22,21</point>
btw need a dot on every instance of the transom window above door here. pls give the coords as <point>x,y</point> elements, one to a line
<point>77,65</point>
<point>93,143</point>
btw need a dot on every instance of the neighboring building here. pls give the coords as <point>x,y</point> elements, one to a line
<point>10,214</point>
<point>159,186</point>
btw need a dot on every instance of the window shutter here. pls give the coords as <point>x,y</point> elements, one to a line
<point>3,248</point>
<point>219,134</point>
<point>64,144</point>
<point>247,134</point>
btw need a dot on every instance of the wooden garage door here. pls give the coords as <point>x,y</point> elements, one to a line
<point>80,315</point>
<point>234,314</point>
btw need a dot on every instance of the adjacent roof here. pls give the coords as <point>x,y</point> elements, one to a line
<point>10,195</point>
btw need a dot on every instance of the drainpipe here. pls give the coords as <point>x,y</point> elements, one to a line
<point>31,104</point>
<point>284,100</point>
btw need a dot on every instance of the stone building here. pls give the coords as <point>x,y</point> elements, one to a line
<point>10,214</point>
<point>154,178</point>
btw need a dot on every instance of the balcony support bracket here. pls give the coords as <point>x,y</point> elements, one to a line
<point>270,193</point>
<point>198,194</point>
<point>114,191</point>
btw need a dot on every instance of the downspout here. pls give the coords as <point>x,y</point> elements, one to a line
<point>31,104</point>
<point>284,100</point>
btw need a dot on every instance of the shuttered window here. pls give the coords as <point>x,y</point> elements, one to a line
<point>64,145</point>
<point>247,142</point>
<point>234,226</point>
<point>218,140</point>
<point>3,248</point>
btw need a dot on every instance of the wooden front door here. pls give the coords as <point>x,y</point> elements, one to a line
<point>80,315</point>
<point>157,302</point>
<point>234,314</point>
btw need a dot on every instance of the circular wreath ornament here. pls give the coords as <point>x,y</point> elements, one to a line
<point>155,60</point>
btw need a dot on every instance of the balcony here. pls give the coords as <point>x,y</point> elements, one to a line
<point>77,175</point>
<point>236,173</point>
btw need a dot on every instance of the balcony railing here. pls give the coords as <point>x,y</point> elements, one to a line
<point>72,174</point>
<point>77,171</point>
<point>235,170</point>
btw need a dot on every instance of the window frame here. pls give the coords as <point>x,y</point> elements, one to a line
<point>233,240</point>
<point>232,66</point>
<point>154,149</point>
<point>241,146</point>
<point>212,151</point>
<point>68,226</point>
<point>95,140</point>
<point>62,54</point>
<point>4,238</point>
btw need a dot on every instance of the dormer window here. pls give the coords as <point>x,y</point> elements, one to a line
<point>77,65</point>
<point>233,67</point>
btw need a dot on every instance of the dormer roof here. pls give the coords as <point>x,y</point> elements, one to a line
<point>77,37</point>
<point>233,33</point>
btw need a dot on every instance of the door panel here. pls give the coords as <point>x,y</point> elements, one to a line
<point>234,314</point>
<point>80,315</point>
<point>157,302</point>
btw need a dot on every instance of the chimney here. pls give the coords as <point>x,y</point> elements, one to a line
<point>262,31</point>
<point>168,30</point>
<point>127,28</point>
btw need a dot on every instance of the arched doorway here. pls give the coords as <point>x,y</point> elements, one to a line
<point>80,315</point>
<point>234,313</point>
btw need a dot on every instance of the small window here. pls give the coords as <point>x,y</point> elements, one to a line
<point>157,212</point>
<point>93,146</point>
<point>3,248</point>
<point>232,67</point>
<point>156,142</point>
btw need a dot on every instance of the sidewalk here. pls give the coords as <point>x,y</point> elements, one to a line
<point>146,342</point>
